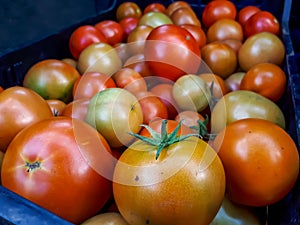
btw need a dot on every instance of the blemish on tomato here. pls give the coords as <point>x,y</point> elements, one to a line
<point>136,178</point>
<point>147,221</point>
<point>32,166</point>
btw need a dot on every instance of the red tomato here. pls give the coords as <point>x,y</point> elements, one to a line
<point>82,37</point>
<point>216,10</point>
<point>152,107</point>
<point>197,32</point>
<point>260,159</point>
<point>155,7</point>
<point>112,31</point>
<point>128,24</point>
<point>130,80</point>
<point>77,109</point>
<point>164,92</point>
<point>63,171</point>
<point>91,83</point>
<point>266,79</point>
<point>262,21</point>
<point>57,106</point>
<point>165,45</point>
<point>245,13</point>
<point>19,108</point>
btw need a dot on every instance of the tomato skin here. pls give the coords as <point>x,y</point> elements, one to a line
<point>161,189</point>
<point>154,7</point>
<point>245,13</point>
<point>216,10</point>
<point>52,79</point>
<point>77,109</point>
<point>261,161</point>
<point>82,37</point>
<point>266,79</point>
<point>165,45</point>
<point>57,106</point>
<point>262,21</point>
<point>52,168</point>
<point>197,32</point>
<point>128,24</point>
<point>112,31</point>
<point>128,9</point>
<point>22,114</point>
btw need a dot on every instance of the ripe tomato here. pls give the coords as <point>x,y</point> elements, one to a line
<point>152,106</point>
<point>52,79</point>
<point>262,21</point>
<point>130,80</point>
<point>220,58</point>
<point>82,37</point>
<point>216,10</point>
<point>112,31</point>
<point>128,24</point>
<point>114,112</point>
<point>128,9</point>
<point>266,79</point>
<point>259,48</point>
<point>63,171</point>
<point>19,108</point>
<point>90,83</point>
<point>77,109</point>
<point>173,6</point>
<point>245,13</point>
<point>225,29</point>
<point>185,15</point>
<point>137,62</point>
<point>168,43</point>
<point>242,104</point>
<point>261,161</point>
<point>184,181</point>
<point>164,92</point>
<point>197,32</point>
<point>57,106</point>
<point>154,7</point>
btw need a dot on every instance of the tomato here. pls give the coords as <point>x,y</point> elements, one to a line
<point>154,7</point>
<point>157,191</point>
<point>225,29</point>
<point>233,82</point>
<point>82,37</point>
<point>77,109</point>
<point>99,57</point>
<point>168,43</point>
<point>54,174</point>
<point>137,62</point>
<point>220,58</point>
<point>90,83</point>
<point>266,79</point>
<point>136,39</point>
<point>259,48</point>
<point>128,24</point>
<point>173,6</point>
<point>262,21</point>
<point>154,19</point>
<point>19,108</point>
<point>215,83</point>
<point>152,106</point>
<point>260,159</point>
<point>216,10</point>
<point>130,80</point>
<point>191,92</point>
<point>245,13</point>
<point>57,106</point>
<point>114,112</point>
<point>242,104</point>
<point>185,15</point>
<point>164,92</point>
<point>128,9</point>
<point>52,79</point>
<point>112,31</point>
<point>108,218</point>
<point>197,32</point>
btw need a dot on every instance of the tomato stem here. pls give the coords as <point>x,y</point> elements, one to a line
<point>32,166</point>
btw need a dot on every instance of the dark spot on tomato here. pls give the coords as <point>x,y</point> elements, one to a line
<point>32,166</point>
<point>147,221</point>
<point>136,178</point>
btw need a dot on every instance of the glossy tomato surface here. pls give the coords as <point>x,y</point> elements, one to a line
<point>112,31</point>
<point>260,159</point>
<point>60,163</point>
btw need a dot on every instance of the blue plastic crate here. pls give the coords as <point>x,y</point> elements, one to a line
<point>39,29</point>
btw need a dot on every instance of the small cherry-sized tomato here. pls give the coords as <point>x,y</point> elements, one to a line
<point>90,83</point>
<point>82,37</point>
<point>112,31</point>
<point>216,10</point>
<point>155,7</point>
<point>173,6</point>
<point>128,9</point>
<point>152,106</point>
<point>260,159</point>
<point>185,15</point>
<point>245,13</point>
<point>262,21</point>
<point>266,79</point>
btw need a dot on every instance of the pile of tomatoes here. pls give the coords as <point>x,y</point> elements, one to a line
<point>159,115</point>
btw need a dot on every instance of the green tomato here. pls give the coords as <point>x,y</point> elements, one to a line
<point>155,19</point>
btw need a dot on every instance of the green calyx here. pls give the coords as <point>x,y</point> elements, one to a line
<point>201,129</point>
<point>162,139</point>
